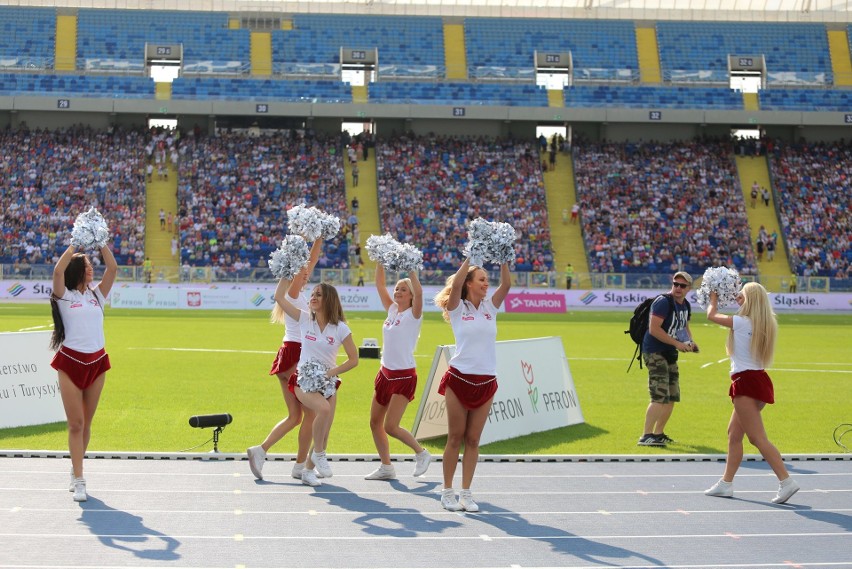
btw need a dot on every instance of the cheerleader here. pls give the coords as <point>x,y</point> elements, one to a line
<point>471,382</point>
<point>396,381</point>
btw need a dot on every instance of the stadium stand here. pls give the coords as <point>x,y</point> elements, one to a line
<point>805,99</point>
<point>643,97</point>
<point>430,186</point>
<point>47,178</point>
<point>656,207</point>
<point>795,53</point>
<point>457,93</point>
<point>27,37</point>
<point>115,40</point>
<point>316,91</point>
<point>110,87</point>
<point>505,47</point>
<point>813,182</point>
<point>235,190</point>
<point>407,46</point>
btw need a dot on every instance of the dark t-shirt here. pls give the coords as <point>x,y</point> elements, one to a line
<point>674,324</point>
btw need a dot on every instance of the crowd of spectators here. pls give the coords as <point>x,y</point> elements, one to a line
<point>48,177</point>
<point>235,189</point>
<point>812,181</point>
<point>651,207</point>
<point>429,187</point>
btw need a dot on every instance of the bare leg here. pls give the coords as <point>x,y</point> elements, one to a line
<point>456,425</point>
<point>656,417</point>
<point>80,407</point>
<point>735,448</point>
<point>294,415</point>
<point>748,412</point>
<point>475,424</point>
<point>395,411</point>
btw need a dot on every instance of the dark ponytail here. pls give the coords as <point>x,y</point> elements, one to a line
<point>58,326</point>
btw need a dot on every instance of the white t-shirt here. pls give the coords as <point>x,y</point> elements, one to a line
<point>83,318</point>
<point>399,337</point>
<point>292,331</point>
<point>475,331</point>
<point>742,359</point>
<point>321,345</point>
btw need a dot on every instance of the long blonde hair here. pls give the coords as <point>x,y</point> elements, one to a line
<point>277,315</point>
<point>443,296</point>
<point>764,326</point>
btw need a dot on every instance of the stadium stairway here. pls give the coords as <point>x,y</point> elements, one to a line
<point>751,102</point>
<point>649,56</point>
<point>261,54</point>
<point>455,58</point>
<point>567,239</point>
<point>163,91</point>
<point>65,58</point>
<point>841,62</point>
<point>367,193</point>
<point>161,194</point>
<point>775,274</point>
<point>555,98</point>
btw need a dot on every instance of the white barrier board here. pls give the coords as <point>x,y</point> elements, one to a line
<point>29,387</point>
<point>536,392</point>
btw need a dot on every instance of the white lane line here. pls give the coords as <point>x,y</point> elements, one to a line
<point>644,537</point>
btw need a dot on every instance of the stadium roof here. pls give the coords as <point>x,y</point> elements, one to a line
<point>707,10</point>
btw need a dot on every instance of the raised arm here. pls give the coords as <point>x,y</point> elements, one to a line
<point>417,291</point>
<point>304,275</point>
<point>503,288</point>
<point>713,314</point>
<point>59,271</point>
<point>458,283</point>
<point>110,271</point>
<point>280,296</point>
<point>382,288</point>
<point>351,358</point>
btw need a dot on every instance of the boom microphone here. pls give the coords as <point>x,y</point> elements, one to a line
<point>204,421</point>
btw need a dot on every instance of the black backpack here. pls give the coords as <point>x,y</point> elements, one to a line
<point>639,325</point>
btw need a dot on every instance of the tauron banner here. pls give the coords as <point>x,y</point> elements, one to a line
<point>536,392</point>
<point>29,387</point>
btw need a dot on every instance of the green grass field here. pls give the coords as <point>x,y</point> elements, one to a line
<point>169,365</point>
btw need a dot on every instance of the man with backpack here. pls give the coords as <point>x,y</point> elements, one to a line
<point>668,333</point>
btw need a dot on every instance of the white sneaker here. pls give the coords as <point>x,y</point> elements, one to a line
<point>297,471</point>
<point>309,478</point>
<point>321,462</point>
<point>421,462</point>
<point>466,501</point>
<point>383,472</point>
<point>80,490</point>
<point>256,457</point>
<point>721,488</point>
<point>448,500</point>
<point>786,490</point>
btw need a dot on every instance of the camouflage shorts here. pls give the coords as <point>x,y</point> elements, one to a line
<point>663,379</point>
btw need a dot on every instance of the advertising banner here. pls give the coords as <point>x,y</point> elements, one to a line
<point>536,392</point>
<point>29,387</point>
<point>366,298</point>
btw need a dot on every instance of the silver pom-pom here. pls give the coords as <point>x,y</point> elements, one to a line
<point>290,258</point>
<point>490,241</point>
<point>312,377</point>
<point>90,230</point>
<point>311,223</point>
<point>330,226</point>
<point>723,281</point>
<point>393,255</point>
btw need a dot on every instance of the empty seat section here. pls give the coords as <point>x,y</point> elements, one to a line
<point>97,86</point>
<point>698,51</point>
<point>407,46</point>
<point>612,96</point>
<point>504,47</point>
<point>115,39</point>
<point>315,91</point>
<point>27,37</point>
<point>457,93</point>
